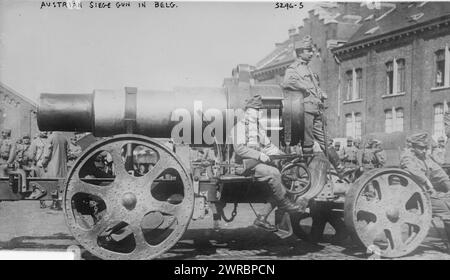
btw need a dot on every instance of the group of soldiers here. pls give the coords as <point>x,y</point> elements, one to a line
<point>353,155</point>
<point>43,156</point>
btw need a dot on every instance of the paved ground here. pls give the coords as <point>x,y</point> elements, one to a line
<point>25,226</point>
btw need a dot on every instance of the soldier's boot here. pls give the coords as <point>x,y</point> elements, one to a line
<point>285,204</point>
<point>262,222</point>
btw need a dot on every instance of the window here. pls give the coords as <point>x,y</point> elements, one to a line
<point>354,84</point>
<point>353,125</point>
<point>388,121</point>
<point>393,120</point>
<point>401,75</point>
<point>438,120</point>
<point>349,83</point>
<point>395,76</point>
<point>348,125</point>
<point>442,61</point>
<point>358,126</point>
<point>358,84</point>
<point>390,77</point>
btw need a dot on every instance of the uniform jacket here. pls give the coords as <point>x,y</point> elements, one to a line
<point>22,154</point>
<point>55,156</point>
<point>438,154</point>
<point>299,77</point>
<point>422,170</point>
<point>36,150</point>
<point>253,142</point>
<point>447,153</point>
<point>7,150</point>
<point>350,153</point>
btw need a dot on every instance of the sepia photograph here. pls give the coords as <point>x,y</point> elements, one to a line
<point>224,131</point>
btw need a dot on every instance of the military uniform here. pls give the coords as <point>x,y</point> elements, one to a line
<point>36,154</point>
<point>426,170</point>
<point>350,156</point>
<point>438,154</point>
<point>300,78</point>
<point>7,152</point>
<point>23,159</point>
<point>251,144</point>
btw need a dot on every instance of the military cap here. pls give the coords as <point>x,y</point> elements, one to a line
<point>26,136</point>
<point>441,139</point>
<point>305,43</point>
<point>357,141</point>
<point>7,130</point>
<point>418,139</point>
<point>349,139</point>
<point>255,102</point>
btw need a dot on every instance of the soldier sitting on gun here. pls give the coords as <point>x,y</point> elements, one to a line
<point>7,152</point>
<point>251,143</point>
<point>429,174</point>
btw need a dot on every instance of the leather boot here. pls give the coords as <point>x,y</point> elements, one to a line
<point>288,206</point>
<point>264,224</point>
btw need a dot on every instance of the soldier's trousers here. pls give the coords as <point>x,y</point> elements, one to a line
<point>440,204</point>
<point>271,175</point>
<point>314,132</point>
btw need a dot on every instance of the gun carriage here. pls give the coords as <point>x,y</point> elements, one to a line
<point>140,215</point>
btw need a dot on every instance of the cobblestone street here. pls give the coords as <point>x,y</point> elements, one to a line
<point>24,226</point>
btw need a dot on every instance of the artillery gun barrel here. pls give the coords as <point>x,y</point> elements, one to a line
<point>149,112</point>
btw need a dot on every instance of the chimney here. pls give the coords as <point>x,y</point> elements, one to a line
<point>292,32</point>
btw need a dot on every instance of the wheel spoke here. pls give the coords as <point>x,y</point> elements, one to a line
<point>412,218</point>
<point>83,187</point>
<point>370,205</point>
<point>395,240</point>
<point>153,174</point>
<point>369,232</point>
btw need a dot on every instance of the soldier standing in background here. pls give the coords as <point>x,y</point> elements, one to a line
<point>36,153</point>
<point>379,153</point>
<point>299,78</point>
<point>7,152</point>
<point>367,157</point>
<point>438,152</point>
<point>55,156</point>
<point>23,159</point>
<point>350,154</point>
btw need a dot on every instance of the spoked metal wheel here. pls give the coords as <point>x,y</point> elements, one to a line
<point>296,178</point>
<point>387,208</point>
<point>138,207</point>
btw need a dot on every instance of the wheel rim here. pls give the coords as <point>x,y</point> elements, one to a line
<point>387,208</point>
<point>136,221</point>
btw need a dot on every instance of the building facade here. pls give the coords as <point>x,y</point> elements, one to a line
<point>17,113</point>
<point>330,25</point>
<point>395,72</point>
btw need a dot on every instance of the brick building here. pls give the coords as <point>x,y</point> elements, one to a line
<point>17,113</point>
<point>330,25</point>
<point>386,68</point>
<point>395,72</point>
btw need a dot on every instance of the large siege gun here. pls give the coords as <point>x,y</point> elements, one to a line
<point>157,187</point>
